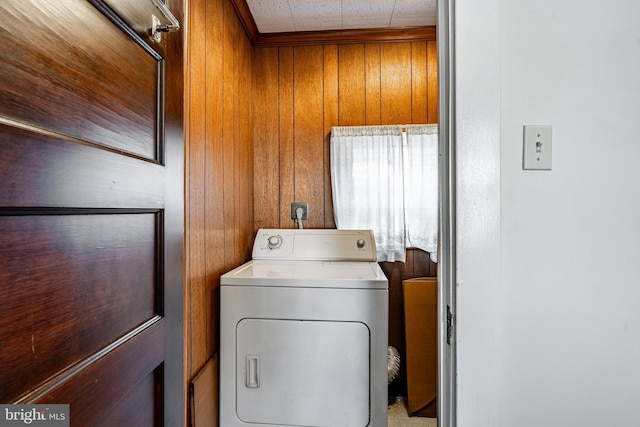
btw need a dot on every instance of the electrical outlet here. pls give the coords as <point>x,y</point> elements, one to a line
<point>305,210</point>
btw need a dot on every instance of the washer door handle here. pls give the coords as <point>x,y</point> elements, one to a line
<point>253,372</point>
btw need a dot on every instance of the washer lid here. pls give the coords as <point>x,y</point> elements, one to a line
<point>330,274</point>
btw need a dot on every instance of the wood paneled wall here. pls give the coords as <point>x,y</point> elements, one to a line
<point>257,125</point>
<point>219,169</point>
<point>301,92</point>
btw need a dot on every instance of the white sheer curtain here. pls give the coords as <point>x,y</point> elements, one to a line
<point>421,188</point>
<point>367,183</point>
<point>386,181</point>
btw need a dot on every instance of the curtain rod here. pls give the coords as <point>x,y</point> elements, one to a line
<point>383,129</point>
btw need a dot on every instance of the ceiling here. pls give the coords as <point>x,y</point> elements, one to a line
<point>279,16</point>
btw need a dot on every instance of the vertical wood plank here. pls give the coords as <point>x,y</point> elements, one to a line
<point>239,114</point>
<point>235,221</point>
<point>330,104</point>
<point>246,159</point>
<point>351,85</point>
<point>372,84</point>
<point>396,83</point>
<point>214,214</point>
<point>241,118</point>
<point>195,197</point>
<point>422,264</point>
<point>229,135</point>
<point>432,79</point>
<point>286,136</point>
<point>418,82</point>
<point>308,131</point>
<point>266,183</point>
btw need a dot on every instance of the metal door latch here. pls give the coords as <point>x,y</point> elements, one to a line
<point>449,325</point>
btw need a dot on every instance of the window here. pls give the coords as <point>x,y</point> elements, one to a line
<point>385,179</point>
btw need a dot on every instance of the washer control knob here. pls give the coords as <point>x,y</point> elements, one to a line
<point>274,242</point>
<point>360,243</point>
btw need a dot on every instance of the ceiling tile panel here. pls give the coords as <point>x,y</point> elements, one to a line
<point>312,15</point>
<point>316,15</point>
<point>276,26</point>
<point>271,15</point>
<point>377,12</point>
<point>413,13</point>
<point>412,21</point>
<point>369,22</point>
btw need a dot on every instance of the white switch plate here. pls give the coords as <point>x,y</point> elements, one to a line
<point>536,152</point>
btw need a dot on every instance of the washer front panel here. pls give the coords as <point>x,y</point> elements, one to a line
<point>284,361</point>
<point>328,309</point>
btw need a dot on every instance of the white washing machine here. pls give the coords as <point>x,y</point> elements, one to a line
<point>303,332</point>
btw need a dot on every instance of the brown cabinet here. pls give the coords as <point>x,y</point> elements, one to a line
<point>421,333</point>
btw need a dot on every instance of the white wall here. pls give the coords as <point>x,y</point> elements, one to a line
<point>553,336</point>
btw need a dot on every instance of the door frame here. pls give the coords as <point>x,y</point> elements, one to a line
<point>447,216</point>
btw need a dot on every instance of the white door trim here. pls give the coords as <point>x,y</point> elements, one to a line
<point>447,220</point>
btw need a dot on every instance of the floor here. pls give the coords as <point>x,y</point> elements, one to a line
<point>398,416</point>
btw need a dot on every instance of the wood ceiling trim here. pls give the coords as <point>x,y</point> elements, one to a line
<point>346,36</point>
<point>327,37</point>
<point>246,19</point>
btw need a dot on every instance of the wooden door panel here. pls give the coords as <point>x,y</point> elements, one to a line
<point>90,214</point>
<point>74,283</point>
<point>139,406</point>
<point>44,169</point>
<point>94,390</point>
<point>79,75</point>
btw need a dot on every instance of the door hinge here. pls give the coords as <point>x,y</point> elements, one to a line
<point>449,325</point>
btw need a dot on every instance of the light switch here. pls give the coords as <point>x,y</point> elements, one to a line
<point>536,152</point>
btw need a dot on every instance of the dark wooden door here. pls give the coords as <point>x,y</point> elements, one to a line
<point>91,213</point>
